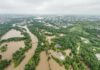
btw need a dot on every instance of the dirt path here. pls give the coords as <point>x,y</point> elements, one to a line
<point>28,55</point>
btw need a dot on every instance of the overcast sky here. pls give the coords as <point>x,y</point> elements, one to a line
<point>90,7</point>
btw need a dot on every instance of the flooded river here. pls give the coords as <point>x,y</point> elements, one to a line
<point>11,48</point>
<point>28,54</point>
<point>43,64</point>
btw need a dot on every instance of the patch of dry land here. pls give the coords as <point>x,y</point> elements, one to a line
<point>98,56</point>
<point>49,38</point>
<point>59,55</point>
<point>68,51</point>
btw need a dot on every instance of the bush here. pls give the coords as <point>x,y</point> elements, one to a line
<point>3,64</point>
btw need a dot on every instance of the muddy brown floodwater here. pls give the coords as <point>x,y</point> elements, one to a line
<point>55,66</point>
<point>12,33</point>
<point>11,48</point>
<point>43,64</point>
<point>28,55</point>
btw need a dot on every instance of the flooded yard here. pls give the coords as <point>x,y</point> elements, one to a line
<point>43,64</point>
<point>57,55</point>
<point>12,33</point>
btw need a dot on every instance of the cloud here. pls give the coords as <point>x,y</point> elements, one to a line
<point>50,7</point>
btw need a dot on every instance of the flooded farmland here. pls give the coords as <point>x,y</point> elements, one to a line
<point>29,54</point>
<point>12,33</point>
<point>11,48</point>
